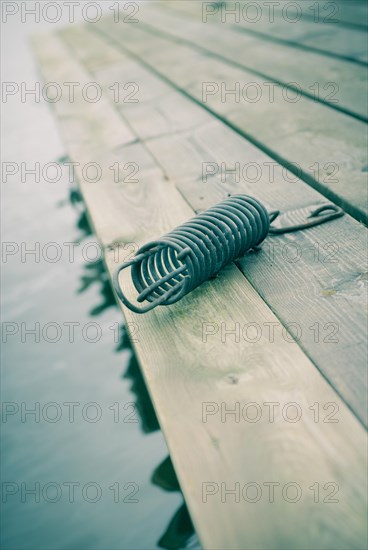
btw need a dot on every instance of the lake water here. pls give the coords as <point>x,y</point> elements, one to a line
<point>89,468</point>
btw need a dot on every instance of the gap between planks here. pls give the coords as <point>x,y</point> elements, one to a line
<point>278,63</point>
<point>308,134</point>
<point>328,38</point>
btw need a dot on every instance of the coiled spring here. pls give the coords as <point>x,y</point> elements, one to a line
<point>165,270</point>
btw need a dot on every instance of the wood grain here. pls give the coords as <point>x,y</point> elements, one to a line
<point>303,25</point>
<point>350,14</point>
<point>341,84</point>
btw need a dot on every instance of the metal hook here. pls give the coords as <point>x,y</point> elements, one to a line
<point>336,212</point>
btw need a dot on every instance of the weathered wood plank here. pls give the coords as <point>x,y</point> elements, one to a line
<point>305,452</point>
<point>326,148</point>
<point>350,13</point>
<point>300,25</point>
<point>341,84</point>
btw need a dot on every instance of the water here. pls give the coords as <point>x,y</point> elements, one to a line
<point>120,461</point>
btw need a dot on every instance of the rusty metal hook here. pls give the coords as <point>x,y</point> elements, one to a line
<point>335,212</point>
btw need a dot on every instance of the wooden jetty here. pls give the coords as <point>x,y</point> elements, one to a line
<point>258,377</point>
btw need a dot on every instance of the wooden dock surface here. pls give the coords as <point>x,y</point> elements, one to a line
<point>281,333</point>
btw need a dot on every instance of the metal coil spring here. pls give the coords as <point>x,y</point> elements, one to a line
<point>165,270</point>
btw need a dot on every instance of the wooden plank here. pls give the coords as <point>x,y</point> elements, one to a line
<point>304,452</point>
<point>350,13</point>
<point>331,253</point>
<point>291,24</point>
<point>342,85</point>
<point>326,148</point>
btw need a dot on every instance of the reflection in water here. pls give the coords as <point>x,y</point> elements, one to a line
<point>180,529</point>
<point>96,272</point>
<point>143,403</point>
